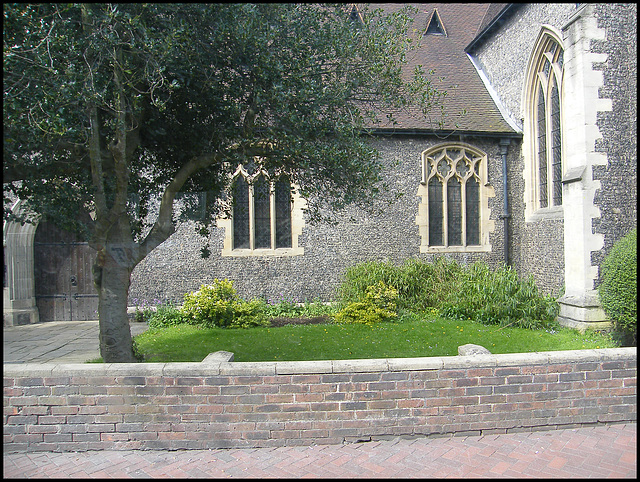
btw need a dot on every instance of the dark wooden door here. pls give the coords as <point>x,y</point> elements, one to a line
<point>63,280</point>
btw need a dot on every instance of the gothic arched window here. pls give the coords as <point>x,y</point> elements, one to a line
<point>454,209</point>
<point>543,127</point>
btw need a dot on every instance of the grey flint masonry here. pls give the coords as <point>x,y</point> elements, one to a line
<point>219,403</point>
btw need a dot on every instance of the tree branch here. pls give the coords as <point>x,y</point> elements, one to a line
<point>164,226</point>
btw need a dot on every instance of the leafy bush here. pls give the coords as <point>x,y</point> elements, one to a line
<point>500,297</point>
<point>446,288</point>
<point>166,314</point>
<point>379,304</point>
<point>427,285</point>
<point>281,306</point>
<point>420,285</point>
<point>248,313</point>
<point>218,305</point>
<point>618,289</point>
<point>144,309</point>
<point>211,305</point>
<point>358,278</point>
<point>285,308</point>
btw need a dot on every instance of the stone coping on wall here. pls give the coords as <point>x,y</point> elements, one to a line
<point>212,366</point>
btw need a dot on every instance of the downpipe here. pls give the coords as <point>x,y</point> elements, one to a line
<point>504,146</point>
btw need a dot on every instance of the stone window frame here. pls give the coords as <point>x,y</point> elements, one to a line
<point>297,220</point>
<point>537,80</point>
<point>486,225</point>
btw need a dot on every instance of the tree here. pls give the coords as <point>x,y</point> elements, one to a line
<point>109,108</point>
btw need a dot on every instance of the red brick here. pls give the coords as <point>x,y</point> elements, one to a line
<point>453,374</point>
<point>42,429</point>
<point>563,368</point>
<point>306,379</point>
<point>171,436</point>
<point>466,382</point>
<point>184,390</point>
<point>101,427</point>
<point>13,391</point>
<point>310,397</point>
<point>29,382</point>
<point>31,410</point>
<point>68,410</point>
<point>206,390</point>
<point>613,383</point>
<point>112,437</point>
<point>51,419</point>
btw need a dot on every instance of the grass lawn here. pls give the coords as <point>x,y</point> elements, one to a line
<point>411,336</point>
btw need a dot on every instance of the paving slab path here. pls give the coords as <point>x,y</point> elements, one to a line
<point>600,451</point>
<point>55,342</point>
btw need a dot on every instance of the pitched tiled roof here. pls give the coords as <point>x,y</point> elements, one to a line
<point>468,106</point>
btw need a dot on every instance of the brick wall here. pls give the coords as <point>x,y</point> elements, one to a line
<point>225,404</point>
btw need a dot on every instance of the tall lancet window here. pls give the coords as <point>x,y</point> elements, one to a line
<point>543,106</point>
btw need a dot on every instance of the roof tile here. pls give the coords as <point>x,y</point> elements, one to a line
<point>467,106</point>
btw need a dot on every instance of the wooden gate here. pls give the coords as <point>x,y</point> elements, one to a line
<point>63,279</point>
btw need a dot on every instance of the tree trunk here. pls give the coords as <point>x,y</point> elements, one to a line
<point>112,276</point>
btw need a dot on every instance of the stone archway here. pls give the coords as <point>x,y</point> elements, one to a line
<point>19,302</point>
<point>47,275</point>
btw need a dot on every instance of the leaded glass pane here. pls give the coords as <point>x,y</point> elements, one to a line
<point>435,212</point>
<point>240,214</point>
<point>542,150</point>
<point>262,213</point>
<point>473,211</point>
<point>283,214</point>
<point>556,147</point>
<point>454,212</point>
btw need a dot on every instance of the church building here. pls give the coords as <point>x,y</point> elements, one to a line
<point>531,162</point>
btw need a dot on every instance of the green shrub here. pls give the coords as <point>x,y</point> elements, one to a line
<point>166,314</point>
<point>358,278</point>
<point>619,291</point>
<point>500,297</point>
<point>218,305</point>
<point>427,285</point>
<point>379,304</point>
<point>420,285</point>
<point>247,314</point>
<point>212,305</point>
<point>290,309</point>
<point>281,306</point>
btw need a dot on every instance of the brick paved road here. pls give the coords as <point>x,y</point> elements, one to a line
<point>602,451</point>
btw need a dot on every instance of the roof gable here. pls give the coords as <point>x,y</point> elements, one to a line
<point>435,26</point>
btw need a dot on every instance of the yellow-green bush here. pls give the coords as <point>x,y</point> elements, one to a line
<point>218,304</point>
<point>619,288</point>
<point>379,304</point>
